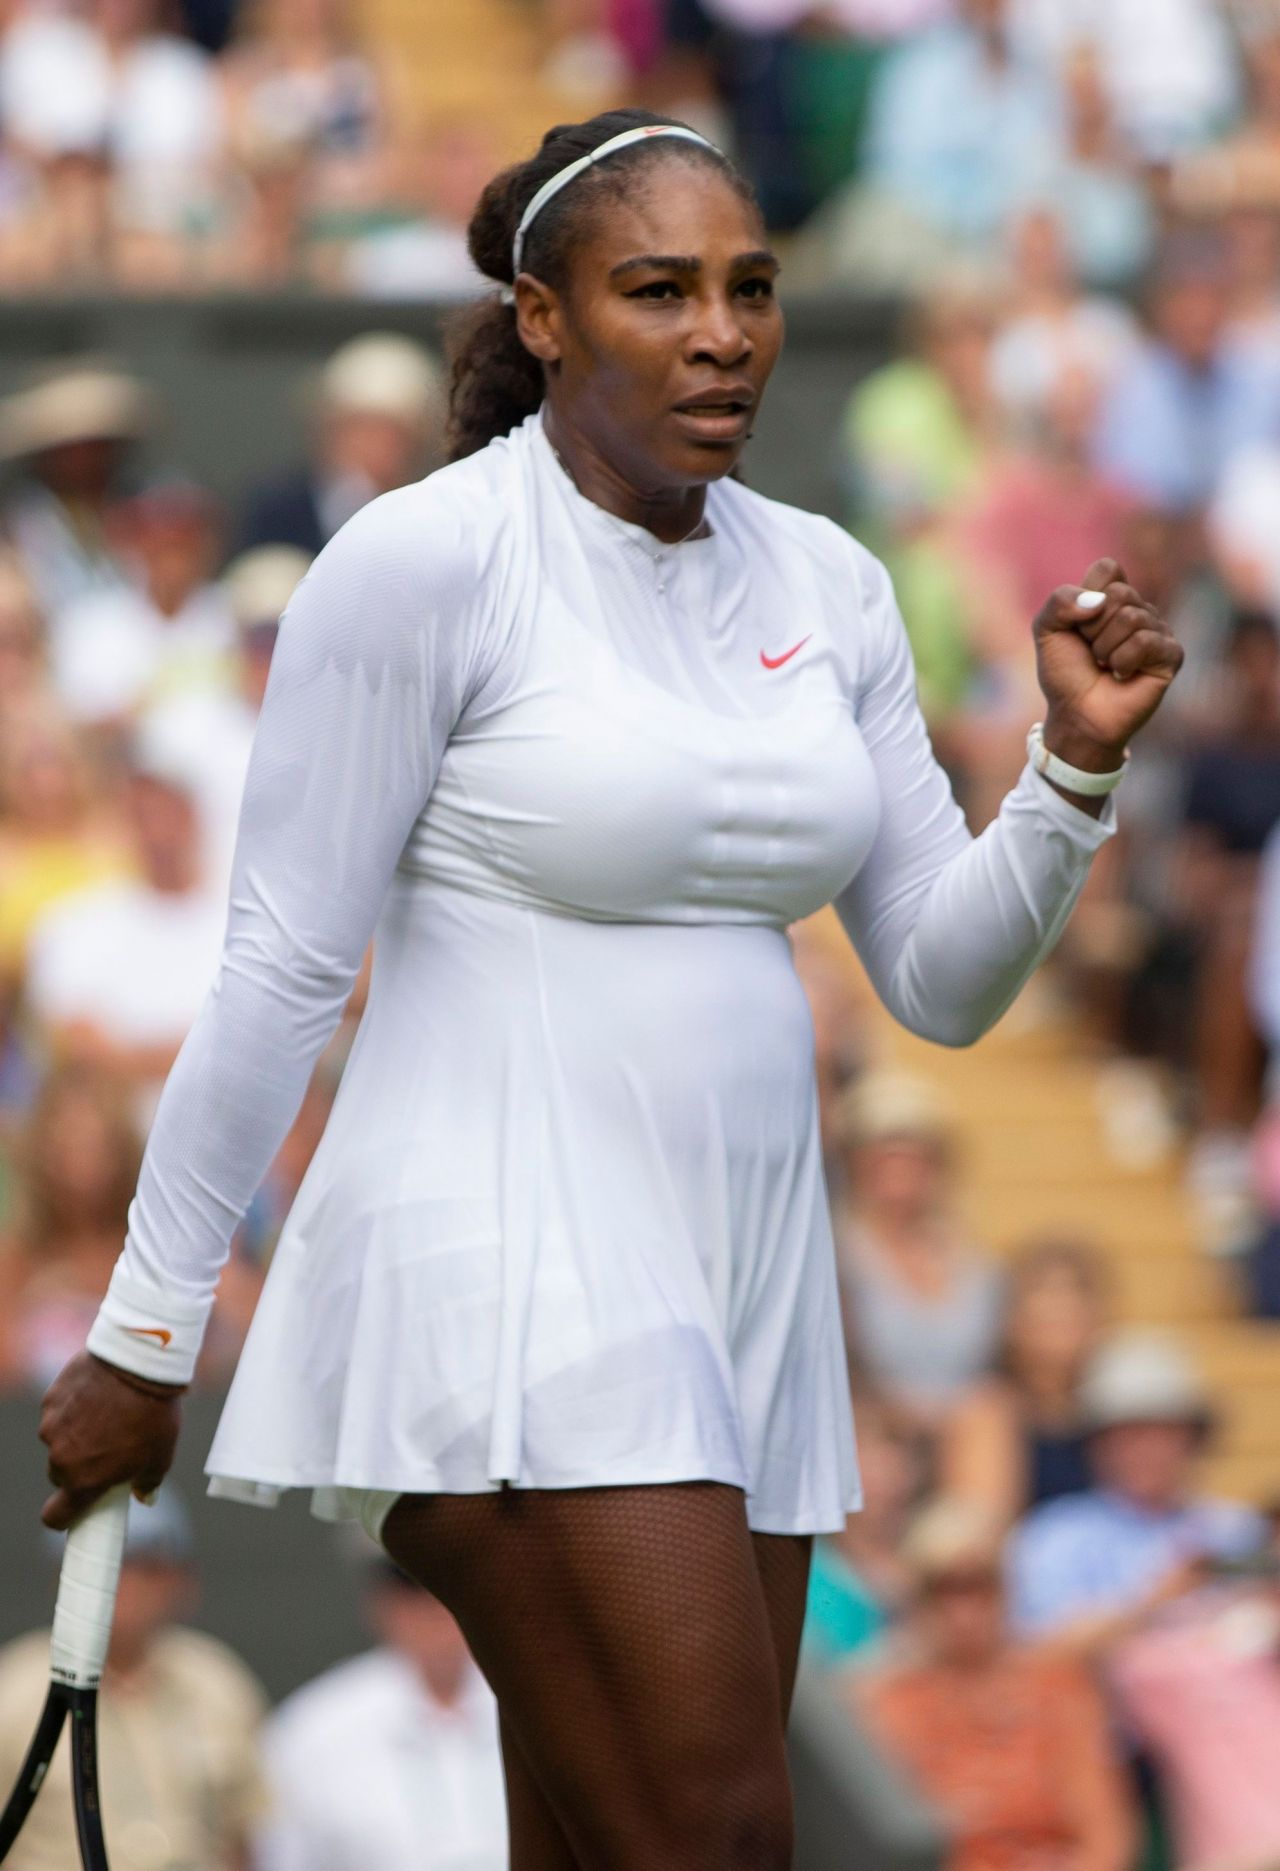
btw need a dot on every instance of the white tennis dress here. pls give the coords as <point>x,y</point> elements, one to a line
<point>567,1223</point>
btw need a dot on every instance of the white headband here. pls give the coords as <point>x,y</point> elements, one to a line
<point>566,175</point>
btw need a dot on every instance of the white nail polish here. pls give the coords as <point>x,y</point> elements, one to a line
<point>1091,600</point>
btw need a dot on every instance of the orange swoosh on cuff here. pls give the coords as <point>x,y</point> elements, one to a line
<point>150,1331</point>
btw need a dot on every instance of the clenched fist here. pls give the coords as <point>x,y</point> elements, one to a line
<point>1105,658</point>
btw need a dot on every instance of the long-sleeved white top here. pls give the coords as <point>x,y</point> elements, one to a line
<point>578,782</point>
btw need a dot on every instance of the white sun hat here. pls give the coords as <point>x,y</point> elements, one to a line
<point>383,374</point>
<point>1143,1376</point>
<point>77,403</point>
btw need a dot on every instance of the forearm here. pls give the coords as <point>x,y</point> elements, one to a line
<point>234,1090</point>
<point>990,915</point>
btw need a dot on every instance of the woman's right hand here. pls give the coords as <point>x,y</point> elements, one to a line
<point>102,1426</point>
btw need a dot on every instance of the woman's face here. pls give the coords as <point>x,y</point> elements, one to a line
<point>1054,1322</point>
<point>660,348</point>
<point>903,1172</point>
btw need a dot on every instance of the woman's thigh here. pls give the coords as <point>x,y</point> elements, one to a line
<point>629,1641</point>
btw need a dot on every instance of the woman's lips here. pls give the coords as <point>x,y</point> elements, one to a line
<point>715,422</point>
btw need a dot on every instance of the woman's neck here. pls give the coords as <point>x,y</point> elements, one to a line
<point>671,514</point>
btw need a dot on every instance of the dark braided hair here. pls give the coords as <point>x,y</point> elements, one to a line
<point>495,383</point>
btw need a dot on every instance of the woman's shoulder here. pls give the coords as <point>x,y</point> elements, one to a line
<point>447,525</point>
<point>777,521</point>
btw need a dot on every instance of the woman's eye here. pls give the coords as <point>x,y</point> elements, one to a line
<point>760,288</point>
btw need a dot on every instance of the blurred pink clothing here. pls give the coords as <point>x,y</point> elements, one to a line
<point>1041,530</point>
<point>1203,1694</point>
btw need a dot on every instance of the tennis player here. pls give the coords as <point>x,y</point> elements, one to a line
<point>578,726</point>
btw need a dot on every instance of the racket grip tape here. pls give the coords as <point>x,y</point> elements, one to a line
<point>87,1592</point>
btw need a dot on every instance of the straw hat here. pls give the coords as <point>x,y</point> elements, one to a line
<point>886,1104</point>
<point>79,403</point>
<point>1144,1377</point>
<point>383,374</point>
<point>260,582</point>
<point>951,1535</point>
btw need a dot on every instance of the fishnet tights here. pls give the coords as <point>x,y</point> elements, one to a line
<point>642,1646</point>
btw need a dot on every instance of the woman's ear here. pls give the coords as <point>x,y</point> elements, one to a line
<point>538,318</point>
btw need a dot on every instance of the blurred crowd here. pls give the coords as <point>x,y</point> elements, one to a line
<point>200,145</point>
<point>1063,1642</point>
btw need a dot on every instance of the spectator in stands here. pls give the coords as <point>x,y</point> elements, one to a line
<point>858,1580</point>
<point>377,426</point>
<point>216,725</point>
<point>1018,1438</point>
<point>179,1717</point>
<point>962,131</point>
<point>299,78</point>
<point>1090,1568</point>
<point>391,1758</point>
<point>20,1077</point>
<point>77,1162</point>
<point>1106,211</point>
<point>1011,1746</point>
<point>23,656</point>
<point>165,131</point>
<point>69,437</point>
<point>114,652</point>
<point>1200,1690</point>
<point>916,434</point>
<point>118,972</point>
<point>1187,401</point>
<point>54,99</point>
<point>1242,170</point>
<point>1168,66</point>
<point>922,1309</point>
<point>1049,327</point>
<point>123,123</point>
<point>1252,239</point>
<point>58,835</point>
<point>424,254</point>
<point>1041,507</point>
<point>1232,801</point>
<point>917,430</point>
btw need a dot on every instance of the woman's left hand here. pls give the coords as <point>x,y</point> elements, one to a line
<point>1104,666</point>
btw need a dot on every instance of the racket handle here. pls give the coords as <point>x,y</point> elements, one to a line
<point>87,1592</point>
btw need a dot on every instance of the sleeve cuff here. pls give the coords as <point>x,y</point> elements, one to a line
<point>1086,831</point>
<point>153,1334</point>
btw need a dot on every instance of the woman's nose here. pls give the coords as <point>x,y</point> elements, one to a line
<point>719,335</point>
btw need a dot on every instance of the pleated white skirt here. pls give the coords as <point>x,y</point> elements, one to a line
<point>574,1234</point>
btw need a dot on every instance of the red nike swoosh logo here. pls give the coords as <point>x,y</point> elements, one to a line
<point>150,1331</point>
<point>776,662</point>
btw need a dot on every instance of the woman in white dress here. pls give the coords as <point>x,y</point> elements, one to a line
<point>581,724</point>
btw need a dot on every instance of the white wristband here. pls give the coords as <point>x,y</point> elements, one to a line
<point>1062,773</point>
<point>153,1335</point>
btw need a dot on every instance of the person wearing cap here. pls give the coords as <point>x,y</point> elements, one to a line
<point>579,724</point>
<point>1089,1568</point>
<point>179,1718</point>
<point>169,631</point>
<point>68,437</point>
<point>117,972</point>
<point>922,1307</point>
<point>378,413</point>
<point>390,1759</point>
<point>1009,1745</point>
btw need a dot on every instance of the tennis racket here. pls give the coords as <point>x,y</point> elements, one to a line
<point>81,1632</point>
